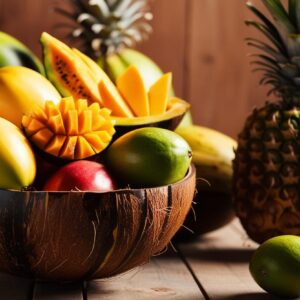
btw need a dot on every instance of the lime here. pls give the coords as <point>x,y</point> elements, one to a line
<point>148,157</point>
<point>275,266</point>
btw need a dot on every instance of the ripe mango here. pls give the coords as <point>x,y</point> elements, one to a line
<point>17,161</point>
<point>20,89</point>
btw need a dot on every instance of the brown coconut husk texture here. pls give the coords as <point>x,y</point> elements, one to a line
<point>70,236</point>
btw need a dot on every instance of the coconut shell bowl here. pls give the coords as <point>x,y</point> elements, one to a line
<point>71,236</point>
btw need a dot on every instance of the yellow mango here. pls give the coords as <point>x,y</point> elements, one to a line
<point>70,134</point>
<point>17,161</point>
<point>159,94</point>
<point>110,96</point>
<point>20,90</point>
<point>132,88</point>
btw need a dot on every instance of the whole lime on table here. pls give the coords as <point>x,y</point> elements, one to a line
<point>275,266</point>
<point>148,157</point>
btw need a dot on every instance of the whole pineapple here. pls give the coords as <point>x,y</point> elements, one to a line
<point>108,29</point>
<point>266,186</point>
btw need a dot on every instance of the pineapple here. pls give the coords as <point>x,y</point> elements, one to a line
<point>108,29</point>
<point>266,188</point>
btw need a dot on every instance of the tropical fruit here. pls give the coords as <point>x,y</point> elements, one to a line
<point>71,129</point>
<point>149,157</point>
<point>81,175</point>
<point>67,73</point>
<point>213,153</point>
<point>22,88</point>
<point>266,167</point>
<point>14,53</point>
<point>108,30</point>
<point>75,74</point>
<point>275,266</point>
<point>17,161</point>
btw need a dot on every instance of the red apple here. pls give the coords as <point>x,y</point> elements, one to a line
<point>82,175</point>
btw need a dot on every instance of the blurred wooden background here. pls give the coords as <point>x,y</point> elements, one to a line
<point>200,41</point>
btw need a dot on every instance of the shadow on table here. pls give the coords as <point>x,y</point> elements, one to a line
<point>219,255</point>
<point>251,296</point>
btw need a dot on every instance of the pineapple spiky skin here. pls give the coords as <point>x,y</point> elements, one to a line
<point>266,177</point>
<point>266,189</point>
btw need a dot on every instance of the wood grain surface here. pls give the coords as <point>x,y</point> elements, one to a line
<point>200,41</point>
<point>214,267</point>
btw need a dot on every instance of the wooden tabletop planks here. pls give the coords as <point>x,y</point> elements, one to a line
<point>220,262</point>
<point>165,277</point>
<point>214,267</point>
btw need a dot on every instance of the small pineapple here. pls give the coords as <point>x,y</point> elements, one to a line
<point>266,187</point>
<point>108,29</point>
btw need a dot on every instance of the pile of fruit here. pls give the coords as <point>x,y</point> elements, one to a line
<point>67,135</point>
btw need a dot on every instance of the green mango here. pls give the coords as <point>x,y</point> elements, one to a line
<point>14,53</point>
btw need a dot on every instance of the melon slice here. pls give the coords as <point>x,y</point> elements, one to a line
<point>70,129</point>
<point>109,93</point>
<point>132,88</point>
<point>159,94</point>
<point>67,72</point>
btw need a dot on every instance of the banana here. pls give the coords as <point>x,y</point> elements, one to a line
<point>213,153</point>
<point>14,53</point>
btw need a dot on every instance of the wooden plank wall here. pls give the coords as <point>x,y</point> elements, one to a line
<point>200,41</point>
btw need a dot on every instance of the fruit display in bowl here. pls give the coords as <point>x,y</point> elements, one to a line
<point>71,236</point>
<point>75,217</point>
<point>132,105</point>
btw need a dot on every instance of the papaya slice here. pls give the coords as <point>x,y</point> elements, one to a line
<point>109,93</point>
<point>132,88</point>
<point>159,94</point>
<point>71,129</point>
<point>67,72</point>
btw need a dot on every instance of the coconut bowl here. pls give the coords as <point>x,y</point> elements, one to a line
<point>70,236</point>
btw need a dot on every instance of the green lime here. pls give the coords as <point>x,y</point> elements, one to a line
<point>148,157</point>
<point>275,266</point>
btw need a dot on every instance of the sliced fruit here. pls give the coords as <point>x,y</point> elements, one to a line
<point>169,120</point>
<point>159,94</point>
<point>71,129</point>
<point>132,87</point>
<point>67,72</point>
<point>22,88</point>
<point>109,93</point>
<point>17,162</point>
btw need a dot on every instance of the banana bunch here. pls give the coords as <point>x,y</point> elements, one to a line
<point>213,153</point>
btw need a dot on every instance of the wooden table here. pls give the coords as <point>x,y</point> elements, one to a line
<point>213,267</point>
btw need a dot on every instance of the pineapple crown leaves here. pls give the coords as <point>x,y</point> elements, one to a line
<point>280,60</point>
<point>107,26</point>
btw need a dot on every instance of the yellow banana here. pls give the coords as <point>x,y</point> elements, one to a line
<point>213,153</point>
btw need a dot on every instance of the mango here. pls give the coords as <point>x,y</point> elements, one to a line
<point>132,88</point>
<point>17,161</point>
<point>159,94</point>
<point>22,88</point>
